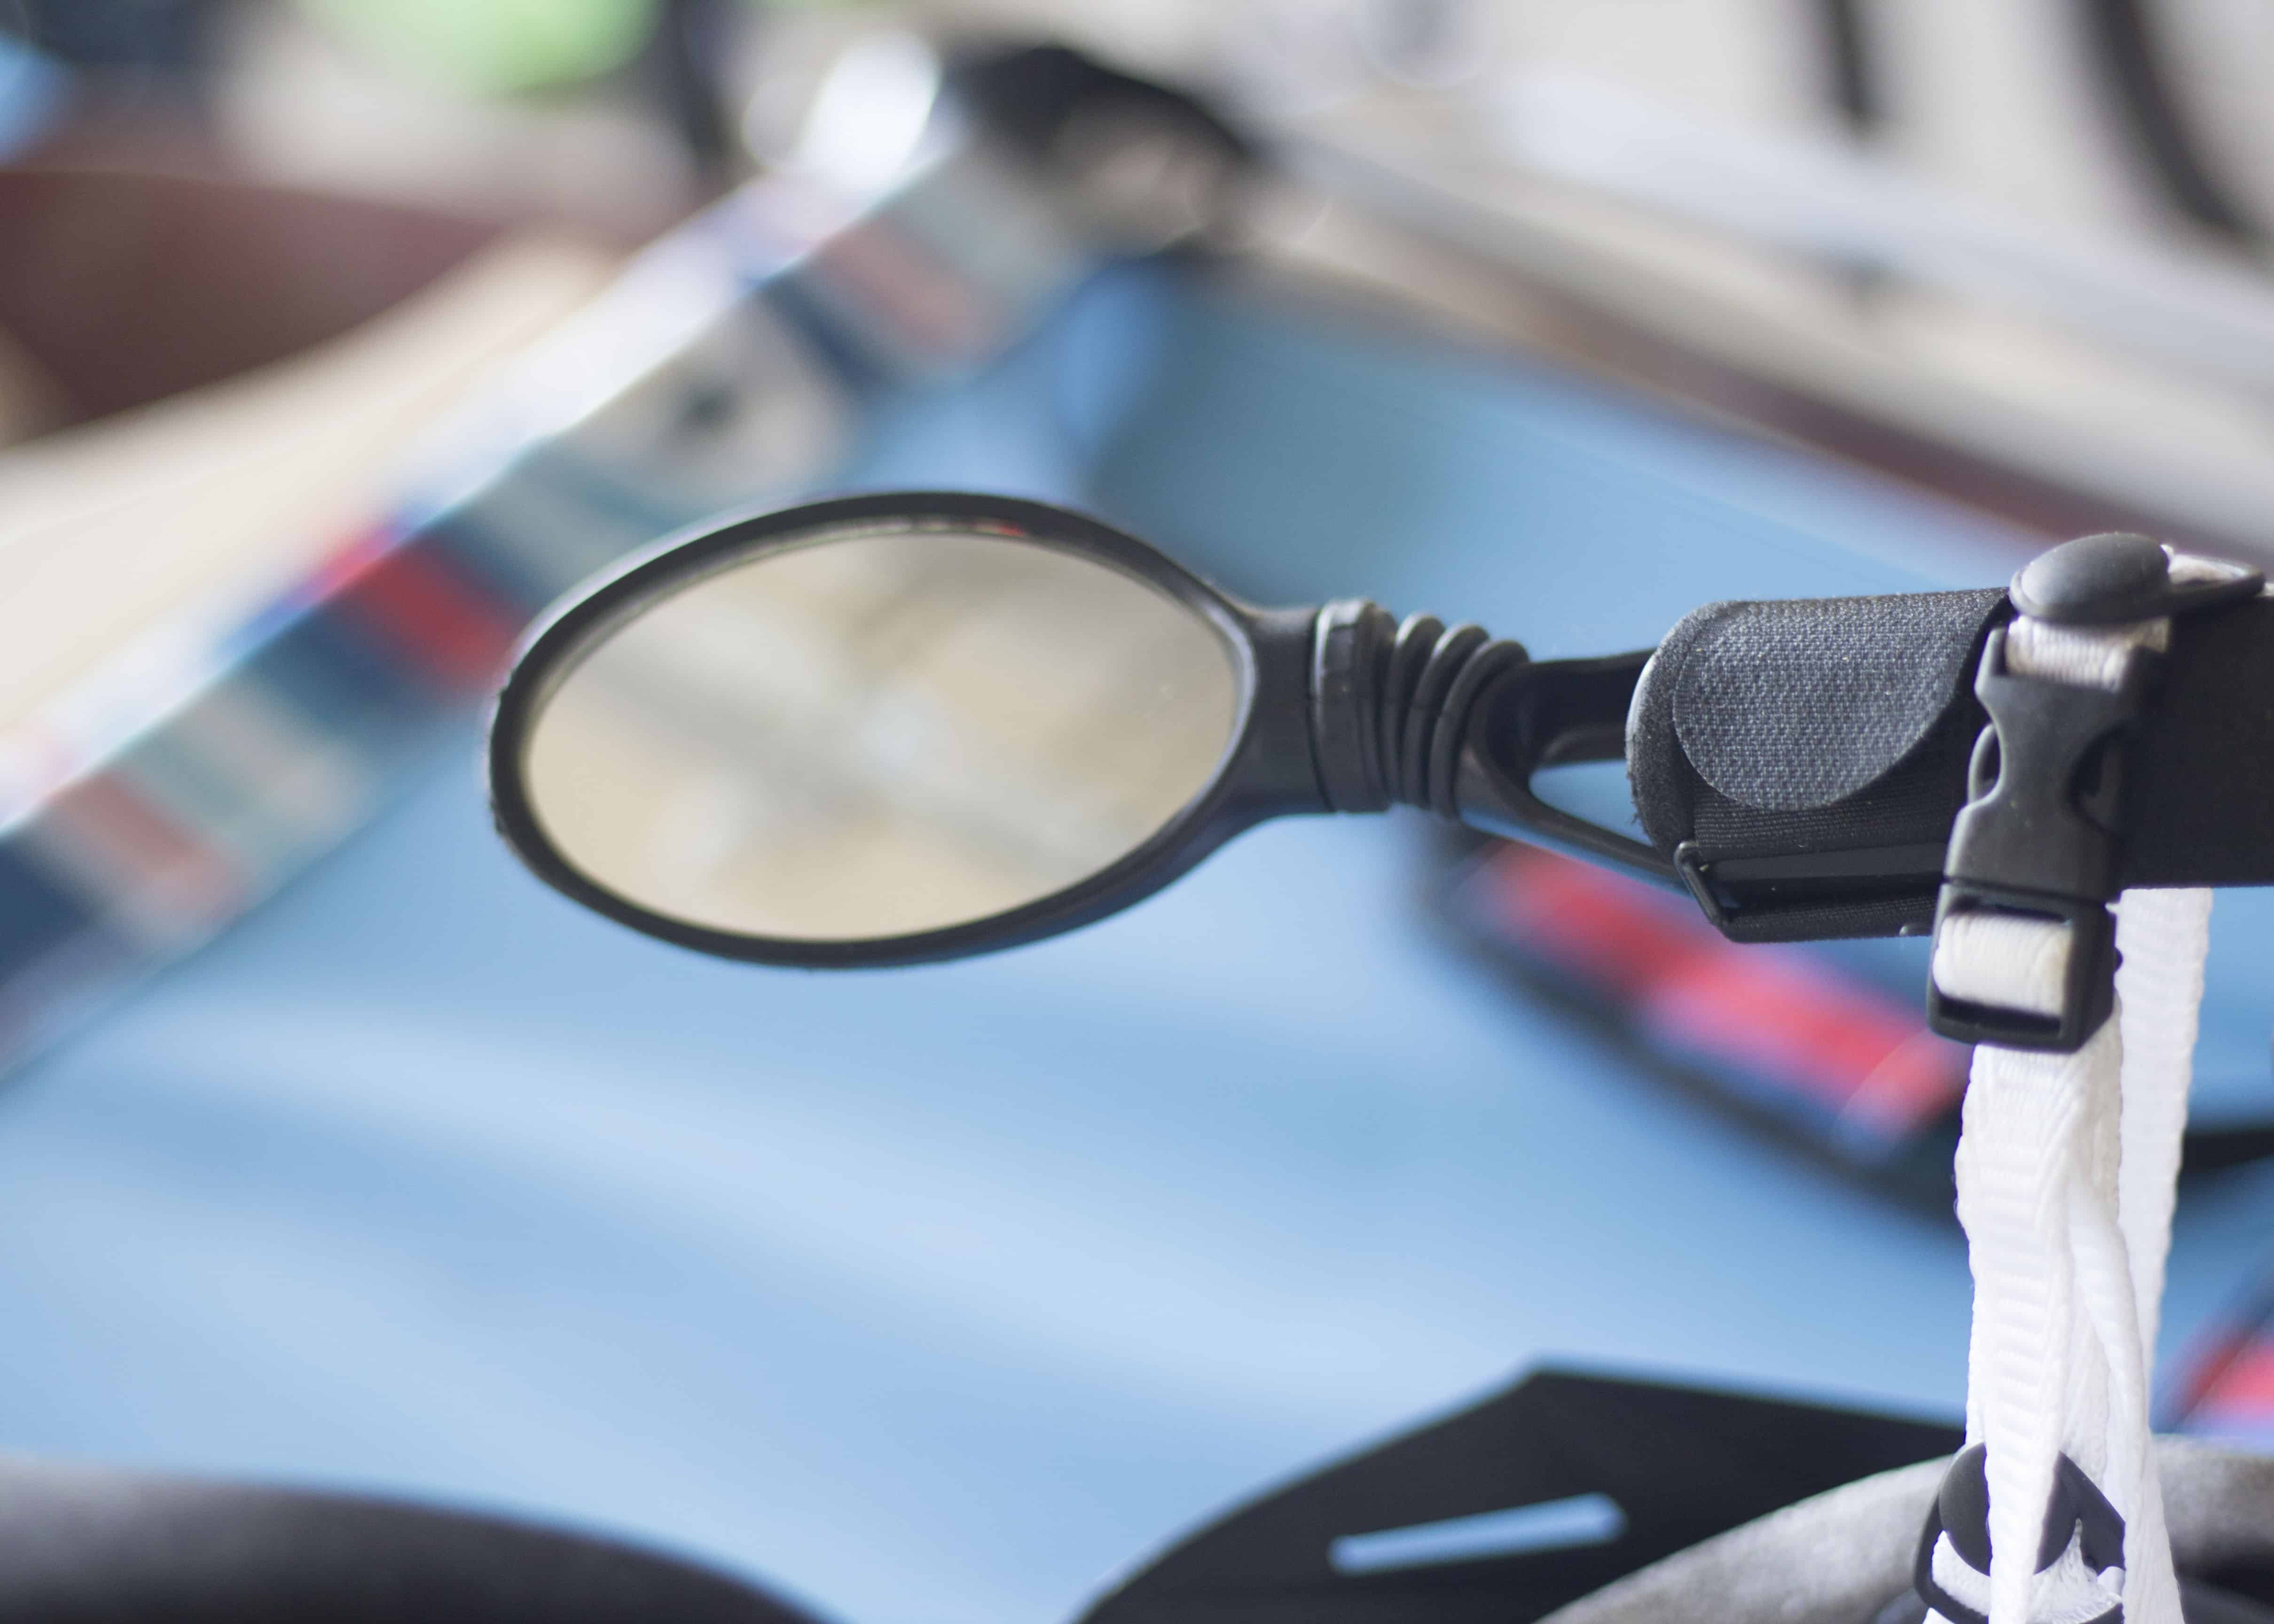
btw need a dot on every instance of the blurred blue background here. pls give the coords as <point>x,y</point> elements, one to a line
<point>940,1293</point>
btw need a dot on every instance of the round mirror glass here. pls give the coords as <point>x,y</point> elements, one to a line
<point>878,731</point>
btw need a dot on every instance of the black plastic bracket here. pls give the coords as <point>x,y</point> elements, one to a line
<point>1550,713</point>
<point>1785,896</point>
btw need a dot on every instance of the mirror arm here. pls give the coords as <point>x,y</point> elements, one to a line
<point>1546,714</point>
<point>1452,720</point>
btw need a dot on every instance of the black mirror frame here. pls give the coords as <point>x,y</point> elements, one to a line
<point>1266,770</point>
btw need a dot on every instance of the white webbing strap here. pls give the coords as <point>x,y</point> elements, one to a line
<point>2066,1166</point>
<point>2008,961</point>
<point>2165,936</point>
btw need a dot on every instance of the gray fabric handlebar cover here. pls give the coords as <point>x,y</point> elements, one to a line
<point>1837,730</point>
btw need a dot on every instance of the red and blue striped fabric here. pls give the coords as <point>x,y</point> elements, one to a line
<point>726,366</point>
<point>2224,1388</point>
<point>1782,1032</point>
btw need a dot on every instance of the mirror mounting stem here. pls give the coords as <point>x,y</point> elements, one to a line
<point>1552,713</point>
<point>1452,720</point>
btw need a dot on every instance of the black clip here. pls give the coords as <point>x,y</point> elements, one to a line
<point>2088,990</point>
<point>2038,836</point>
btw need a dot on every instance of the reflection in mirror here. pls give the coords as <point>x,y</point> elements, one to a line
<point>880,730</point>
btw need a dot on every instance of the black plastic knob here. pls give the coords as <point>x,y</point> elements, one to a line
<point>2096,580</point>
<point>2102,580</point>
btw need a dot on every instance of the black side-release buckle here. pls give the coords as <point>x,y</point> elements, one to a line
<point>2088,990</point>
<point>2040,835</point>
<point>2038,839</point>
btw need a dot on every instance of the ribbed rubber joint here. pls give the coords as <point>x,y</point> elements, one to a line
<point>1390,702</point>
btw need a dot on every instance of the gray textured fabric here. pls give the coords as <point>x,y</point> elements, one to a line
<point>1793,705</point>
<point>94,1544</point>
<point>1840,1557</point>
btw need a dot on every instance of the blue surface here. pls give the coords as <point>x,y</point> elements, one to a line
<point>939,1294</point>
<point>33,87</point>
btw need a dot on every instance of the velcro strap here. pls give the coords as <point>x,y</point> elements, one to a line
<point>1826,725</point>
<point>1836,732</point>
